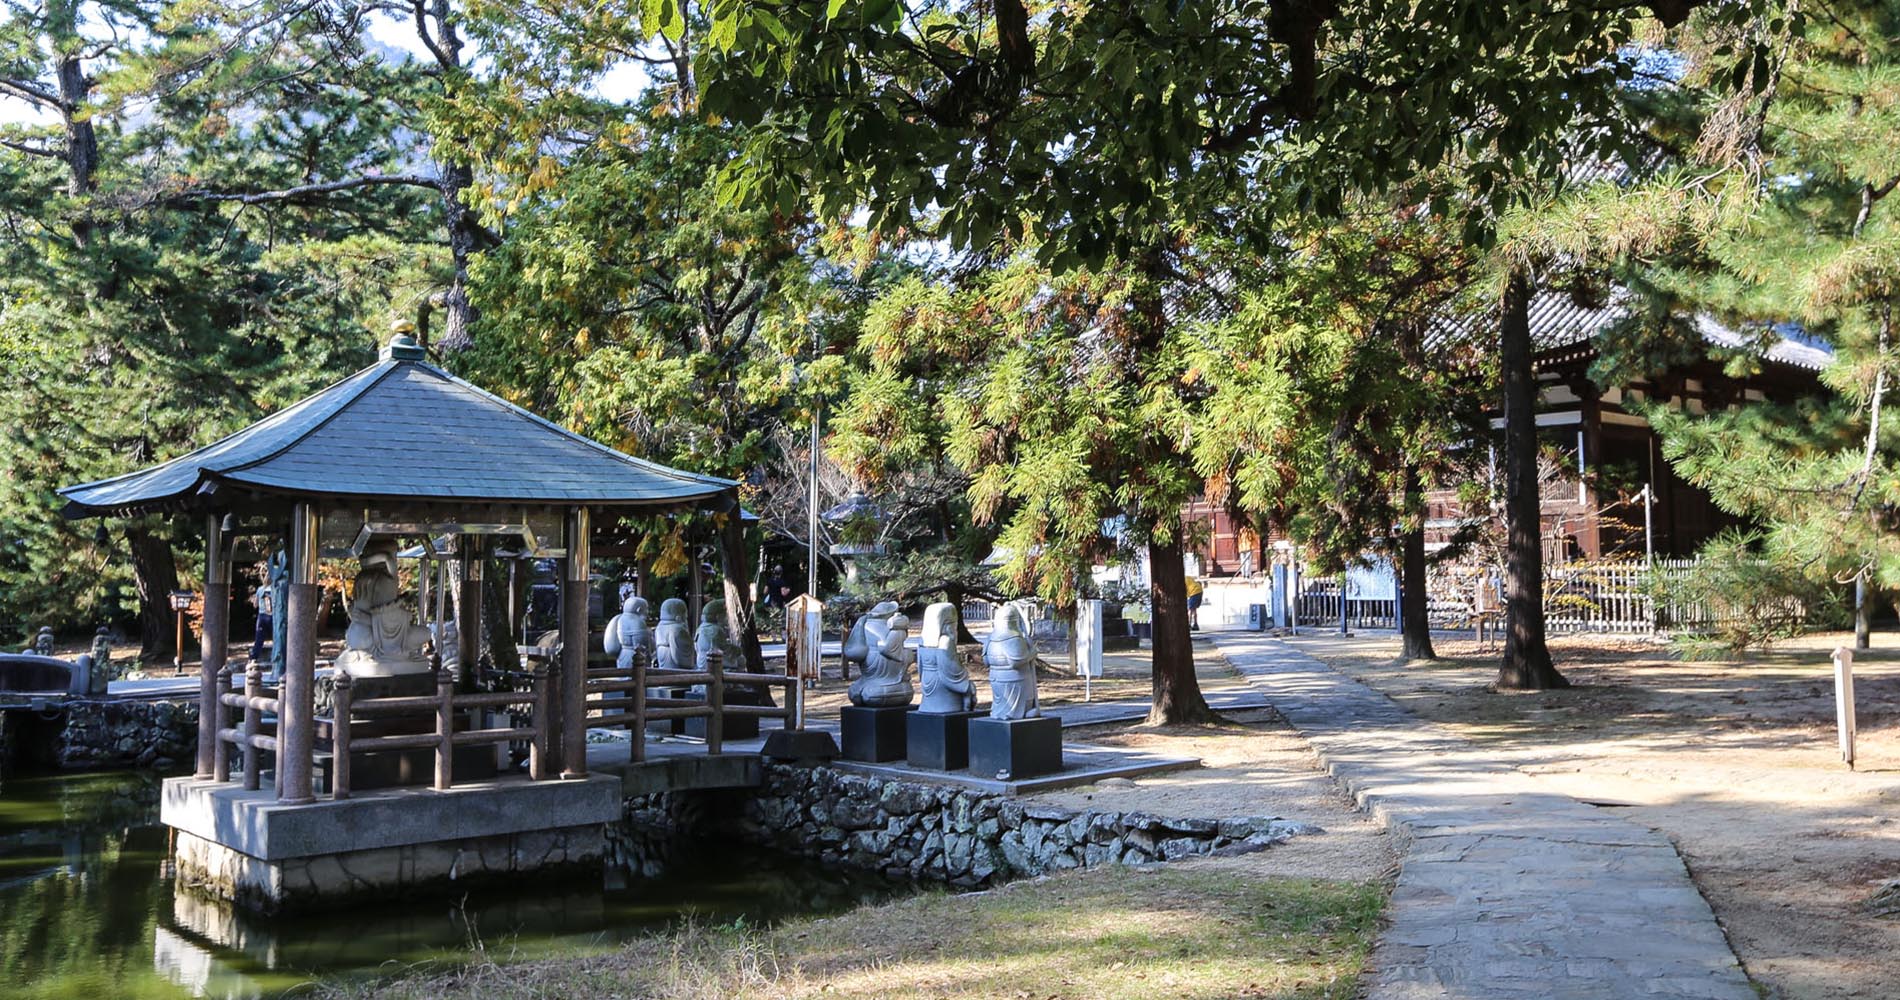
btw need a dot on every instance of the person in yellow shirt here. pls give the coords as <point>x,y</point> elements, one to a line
<point>1194,602</point>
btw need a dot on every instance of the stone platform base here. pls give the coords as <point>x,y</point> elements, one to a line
<point>939,741</point>
<point>872,735</point>
<point>1015,748</point>
<point>245,847</point>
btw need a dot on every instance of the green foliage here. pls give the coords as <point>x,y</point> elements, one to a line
<point>1750,595</point>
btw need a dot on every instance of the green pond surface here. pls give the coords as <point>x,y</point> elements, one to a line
<point>89,910</point>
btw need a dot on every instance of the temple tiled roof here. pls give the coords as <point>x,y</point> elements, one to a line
<point>403,430</point>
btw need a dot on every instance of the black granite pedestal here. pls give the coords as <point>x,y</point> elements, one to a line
<point>872,735</point>
<point>939,741</point>
<point>1014,749</point>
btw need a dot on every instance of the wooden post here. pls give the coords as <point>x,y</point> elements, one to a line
<point>468,607</point>
<point>639,694</point>
<point>253,724</point>
<point>221,720</point>
<point>541,750</point>
<point>1844,701</point>
<point>296,698</point>
<point>211,650</point>
<point>340,737</point>
<point>444,728</point>
<point>716,699</point>
<point>574,645</point>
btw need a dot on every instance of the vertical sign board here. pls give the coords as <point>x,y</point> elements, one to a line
<point>1088,638</point>
<point>804,635</point>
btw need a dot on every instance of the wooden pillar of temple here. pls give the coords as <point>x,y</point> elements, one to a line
<point>212,642</point>
<point>574,645</point>
<point>296,715</point>
<point>468,608</point>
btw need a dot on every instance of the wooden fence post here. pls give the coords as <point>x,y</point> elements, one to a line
<point>1844,701</point>
<point>444,728</point>
<point>539,754</point>
<point>340,736</point>
<point>253,724</point>
<point>716,700</point>
<point>639,693</point>
<point>220,721</point>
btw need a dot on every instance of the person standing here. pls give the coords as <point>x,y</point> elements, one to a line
<point>265,602</point>
<point>1194,602</point>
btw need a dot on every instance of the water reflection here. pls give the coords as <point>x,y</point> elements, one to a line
<point>88,911</point>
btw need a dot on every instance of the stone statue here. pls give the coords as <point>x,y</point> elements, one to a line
<point>1011,658</point>
<point>277,571</point>
<point>383,639</point>
<point>947,686</point>
<point>627,634</point>
<point>101,660</point>
<point>672,643</point>
<point>712,635</point>
<point>886,680</point>
<point>43,642</point>
<point>865,633</point>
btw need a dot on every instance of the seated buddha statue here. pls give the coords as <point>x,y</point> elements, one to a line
<point>383,639</point>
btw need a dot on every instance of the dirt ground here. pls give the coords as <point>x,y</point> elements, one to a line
<point>1736,761</point>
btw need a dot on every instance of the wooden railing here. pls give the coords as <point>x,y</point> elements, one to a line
<point>251,735</point>
<point>634,709</point>
<point>445,704</point>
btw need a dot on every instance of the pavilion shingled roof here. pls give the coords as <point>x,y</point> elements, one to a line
<point>399,431</point>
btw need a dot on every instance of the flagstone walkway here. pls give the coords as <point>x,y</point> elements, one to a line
<point>1506,890</point>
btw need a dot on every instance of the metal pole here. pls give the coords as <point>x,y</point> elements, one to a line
<point>296,704</point>
<point>574,645</point>
<point>212,643</point>
<point>1342,604</point>
<point>1649,538</point>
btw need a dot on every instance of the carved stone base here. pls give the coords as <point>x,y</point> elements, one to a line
<point>939,741</point>
<point>1013,749</point>
<point>872,735</point>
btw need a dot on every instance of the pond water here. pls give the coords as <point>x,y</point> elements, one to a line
<point>88,908</point>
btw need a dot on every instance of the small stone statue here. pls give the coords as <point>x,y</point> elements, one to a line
<point>101,659</point>
<point>947,686</point>
<point>1012,662</point>
<point>278,572</point>
<point>858,643</point>
<point>627,634</point>
<point>711,636</point>
<point>383,639</point>
<point>886,680</point>
<point>43,641</point>
<point>673,644</point>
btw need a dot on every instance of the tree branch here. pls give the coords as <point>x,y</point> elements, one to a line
<point>54,153</point>
<point>32,93</point>
<point>307,190</point>
<point>428,40</point>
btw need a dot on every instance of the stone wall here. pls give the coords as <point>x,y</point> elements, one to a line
<point>159,735</point>
<point>963,837</point>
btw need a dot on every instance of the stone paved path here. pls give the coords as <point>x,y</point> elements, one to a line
<point>1506,890</point>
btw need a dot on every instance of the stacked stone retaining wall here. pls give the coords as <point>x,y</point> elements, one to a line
<point>963,837</point>
<point>158,735</point>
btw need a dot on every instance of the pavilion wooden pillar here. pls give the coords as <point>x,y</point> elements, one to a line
<point>468,609</point>
<point>212,642</point>
<point>296,706</point>
<point>574,645</point>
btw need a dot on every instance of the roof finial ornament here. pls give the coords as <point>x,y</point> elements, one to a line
<point>402,344</point>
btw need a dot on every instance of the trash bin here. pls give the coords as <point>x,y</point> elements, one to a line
<point>1257,617</point>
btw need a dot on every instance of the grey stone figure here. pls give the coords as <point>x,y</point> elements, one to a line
<point>1011,658</point>
<point>712,635</point>
<point>886,680</point>
<point>672,641</point>
<point>383,639</point>
<point>947,686</point>
<point>101,660</point>
<point>858,642</point>
<point>628,634</point>
<point>43,641</point>
<point>278,570</point>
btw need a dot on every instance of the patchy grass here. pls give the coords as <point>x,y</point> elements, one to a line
<point>1186,931</point>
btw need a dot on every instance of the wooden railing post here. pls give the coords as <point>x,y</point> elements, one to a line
<point>340,736</point>
<point>444,729</point>
<point>539,753</point>
<point>639,692</point>
<point>253,725</point>
<point>716,700</point>
<point>220,721</point>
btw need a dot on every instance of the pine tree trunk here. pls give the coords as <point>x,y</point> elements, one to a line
<point>741,623</point>
<point>1177,691</point>
<point>1416,626</point>
<point>155,570</point>
<point>1527,665</point>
